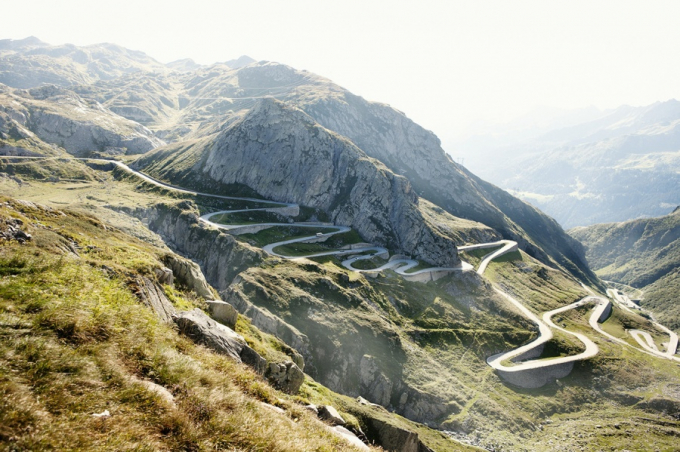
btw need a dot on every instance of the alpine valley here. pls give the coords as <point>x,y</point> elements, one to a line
<point>247,256</point>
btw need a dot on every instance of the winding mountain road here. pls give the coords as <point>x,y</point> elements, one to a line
<point>402,267</point>
<point>520,360</point>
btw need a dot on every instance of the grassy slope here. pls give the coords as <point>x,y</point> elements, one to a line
<point>75,341</point>
<point>604,388</point>
<point>92,194</point>
<point>642,253</point>
<point>606,401</point>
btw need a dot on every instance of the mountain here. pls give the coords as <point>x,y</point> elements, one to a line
<point>117,293</point>
<point>282,154</point>
<point>621,166</point>
<point>58,116</point>
<point>183,65</point>
<point>212,97</point>
<point>644,254</point>
<point>243,60</point>
<point>29,63</point>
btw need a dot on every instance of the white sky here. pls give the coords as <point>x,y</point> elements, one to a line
<point>444,63</point>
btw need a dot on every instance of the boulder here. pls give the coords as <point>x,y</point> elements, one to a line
<point>204,330</point>
<point>312,409</point>
<point>223,312</point>
<point>164,275</point>
<point>152,295</point>
<point>189,274</point>
<point>253,359</point>
<point>285,376</point>
<point>330,414</point>
<point>349,437</point>
<point>393,438</point>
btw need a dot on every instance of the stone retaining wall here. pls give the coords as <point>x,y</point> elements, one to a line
<point>535,378</point>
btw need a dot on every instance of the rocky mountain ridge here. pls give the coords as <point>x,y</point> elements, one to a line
<point>186,106</point>
<point>284,155</point>
<point>621,166</point>
<point>60,117</point>
<point>644,254</point>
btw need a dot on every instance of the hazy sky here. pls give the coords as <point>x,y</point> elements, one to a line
<point>444,63</point>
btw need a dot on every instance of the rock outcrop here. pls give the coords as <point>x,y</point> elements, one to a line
<point>218,254</point>
<point>189,274</point>
<point>373,382</point>
<point>331,415</point>
<point>223,312</point>
<point>285,376</point>
<point>59,116</point>
<point>393,438</point>
<point>152,295</point>
<point>205,331</point>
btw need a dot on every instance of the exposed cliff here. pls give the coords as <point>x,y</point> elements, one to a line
<point>281,153</point>
<point>60,117</point>
<point>642,253</point>
<point>409,150</point>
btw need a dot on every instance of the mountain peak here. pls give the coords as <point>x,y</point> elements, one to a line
<point>21,44</point>
<point>243,60</point>
<point>271,110</point>
<point>184,65</point>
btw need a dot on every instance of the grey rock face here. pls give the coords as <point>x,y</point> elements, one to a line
<point>330,414</point>
<point>219,255</point>
<point>61,117</point>
<point>284,155</point>
<point>152,295</point>
<point>203,330</point>
<point>411,151</point>
<point>349,436</point>
<point>373,383</point>
<point>189,274</point>
<point>268,322</point>
<point>164,275</point>
<point>223,312</point>
<point>254,360</point>
<point>393,438</point>
<point>285,376</point>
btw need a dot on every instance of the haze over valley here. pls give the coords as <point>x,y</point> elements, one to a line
<point>249,255</point>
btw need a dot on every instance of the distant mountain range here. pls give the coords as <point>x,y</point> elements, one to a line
<point>614,166</point>
<point>641,253</point>
<point>260,134</point>
<point>182,102</point>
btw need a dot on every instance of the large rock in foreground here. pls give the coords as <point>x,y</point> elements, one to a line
<point>205,331</point>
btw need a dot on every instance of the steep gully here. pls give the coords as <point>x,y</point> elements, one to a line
<point>518,366</point>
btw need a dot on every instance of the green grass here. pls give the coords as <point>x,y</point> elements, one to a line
<point>74,340</point>
<point>475,256</point>
<point>279,234</point>
<point>254,217</point>
<point>333,243</point>
<point>421,266</point>
<point>368,264</point>
<point>541,288</point>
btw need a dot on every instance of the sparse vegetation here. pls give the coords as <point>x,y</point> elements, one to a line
<point>75,341</point>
